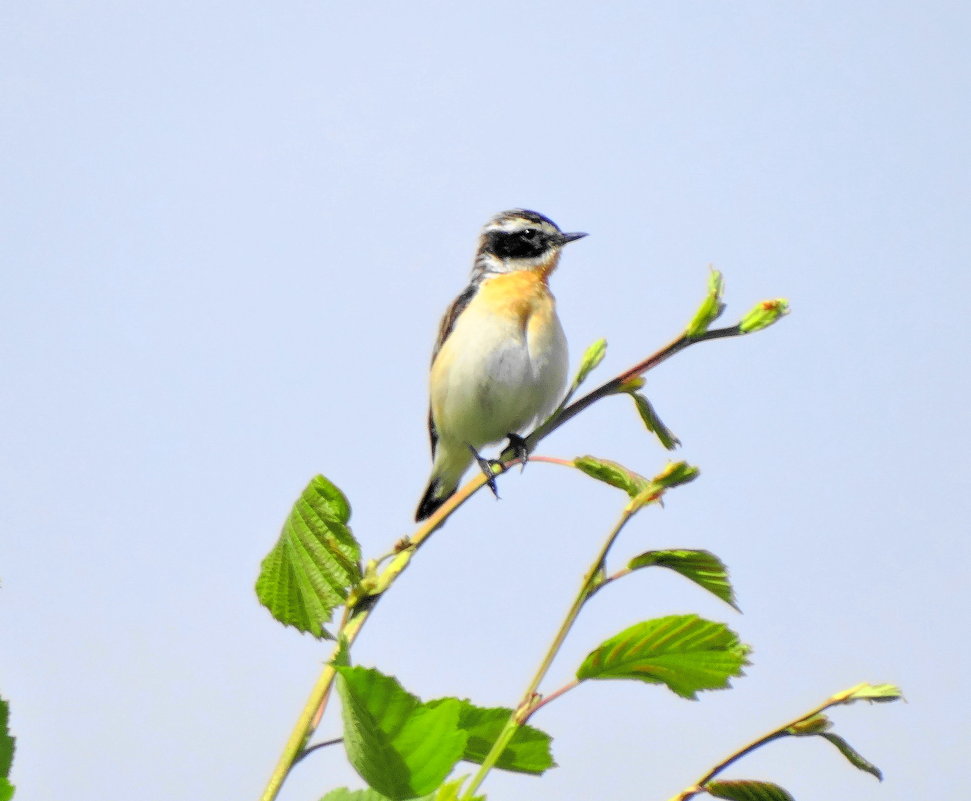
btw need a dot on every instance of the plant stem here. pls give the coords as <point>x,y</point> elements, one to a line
<point>699,786</point>
<point>530,702</point>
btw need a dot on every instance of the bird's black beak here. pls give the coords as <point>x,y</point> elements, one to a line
<point>564,238</point>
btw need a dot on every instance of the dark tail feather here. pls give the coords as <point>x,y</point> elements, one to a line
<point>431,500</point>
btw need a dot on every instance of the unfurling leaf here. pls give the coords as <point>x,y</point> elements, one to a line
<point>612,473</point>
<point>314,564</point>
<point>816,724</point>
<point>684,652</point>
<point>591,359</point>
<point>763,315</point>
<point>653,423</point>
<point>702,567</point>
<point>852,755</point>
<point>879,693</point>
<point>400,747</point>
<point>711,307</point>
<point>674,475</point>
<point>748,791</point>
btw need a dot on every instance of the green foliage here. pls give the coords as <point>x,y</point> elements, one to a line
<point>7,744</point>
<point>612,473</point>
<point>447,792</point>
<point>702,567</point>
<point>808,727</point>
<point>641,490</point>
<point>710,309</point>
<point>878,693</point>
<point>674,475</point>
<point>400,747</point>
<point>748,791</point>
<point>852,755</point>
<point>314,564</point>
<point>343,794</point>
<point>684,652</point>
<point>527,752</point>
<point>653,423</point>
<point>763,315</point>
<point>591,359</point>
<point>403,748</point>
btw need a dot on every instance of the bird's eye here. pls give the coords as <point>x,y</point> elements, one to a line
<point>529,233</point>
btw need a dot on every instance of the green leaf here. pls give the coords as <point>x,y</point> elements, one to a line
<point>591,359</point>
<point>674,475</point>
<point>710,309</point>
<point>400,747</point>
<point>684,652</point>
<point>612,473</point>
<point>7,744</point>
<point>702,567</point>
<point>878,693</point>
<point>810,726</point>
<point>653,423</point>
<point>314,564</point>
<point>748,791</point>
<point>343,794</point>
<point>853,756</point>
<point>447,792</point>
<point>527,752</point>
<point>763,315</point>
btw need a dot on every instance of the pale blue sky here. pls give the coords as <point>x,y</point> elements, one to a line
<point>228,231</point>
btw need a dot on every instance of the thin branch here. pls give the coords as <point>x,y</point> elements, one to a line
<point>782,731</point>
<point>534,708</point>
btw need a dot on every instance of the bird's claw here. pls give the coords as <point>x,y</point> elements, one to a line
<point>485,465</point>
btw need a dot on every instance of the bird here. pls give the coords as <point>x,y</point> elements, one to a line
<point>500,362</point>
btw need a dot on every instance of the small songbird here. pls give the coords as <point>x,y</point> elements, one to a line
<point>500,362</point>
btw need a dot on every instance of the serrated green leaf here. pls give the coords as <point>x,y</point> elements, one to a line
<point>684,652</point>
<point>591,359</point>
<point>314,564</point>
<point>816,724</point>
<point>653,423</point>
<point>702,567</point>
<point>711,307</point>
<point>528,750</point>
<point>7,745</point>
<point>763,315</point>
<point>400,747</point>
<point>343,794</point>
<point>748,791</point>
<point>877,693</point>
<point>852,755</point>
<point>612,473</point>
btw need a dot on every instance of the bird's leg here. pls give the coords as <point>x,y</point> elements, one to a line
<point>518,444</point>
<point>485,465</point>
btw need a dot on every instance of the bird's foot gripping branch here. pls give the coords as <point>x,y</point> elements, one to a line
<point>404,747</point>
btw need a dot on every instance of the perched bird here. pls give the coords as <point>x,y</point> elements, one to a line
<point>500,362</point>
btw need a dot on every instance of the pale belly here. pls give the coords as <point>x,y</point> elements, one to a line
<point>499,380</point>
